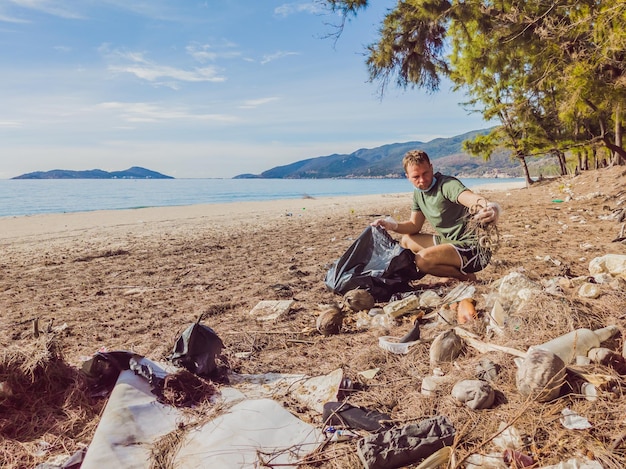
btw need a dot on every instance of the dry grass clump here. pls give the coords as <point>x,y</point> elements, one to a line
<point>185,389</point>
<point>45,407</point>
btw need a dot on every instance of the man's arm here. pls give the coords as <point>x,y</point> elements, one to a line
<point>484,211</point>
<point>411,226</point>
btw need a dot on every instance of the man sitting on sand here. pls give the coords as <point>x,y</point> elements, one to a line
<point>454,211</point>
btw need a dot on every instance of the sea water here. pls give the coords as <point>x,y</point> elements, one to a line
<point>32,196</point>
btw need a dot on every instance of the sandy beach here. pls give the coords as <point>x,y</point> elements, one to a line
<point>134,279</point>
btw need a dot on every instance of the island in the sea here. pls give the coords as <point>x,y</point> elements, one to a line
<point>134,172</point>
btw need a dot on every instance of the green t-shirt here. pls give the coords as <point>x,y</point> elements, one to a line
<point>440,207</point>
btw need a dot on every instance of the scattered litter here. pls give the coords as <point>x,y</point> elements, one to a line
<point>413,334</point>
<point>508,437</point>
<point>517,459</point>
<point>487,370</point>
<point>540,375</point>
<point>614,264</point>
<point>403,446</point>
<point>406,305</point>
<point>446,347</point>
<point>437,459</point>
<point>431,384</point>
<point>196,349</point>
<point>338,434</point>
<point>359,300</point>
<point>270,310</point>
<point>465,310</point>
<point>330,320</point>
<point>549,259</point>
<point>458,293</point>
<point>484,347</point>
<point>311,392</point>
<point>589,290</point>
<point>578,342</point>
<point>486,461</point>
<point>233,439</point>
<point>474,393</point>
<point>572,421</point>
<point>575,463</point>
<point>344,414</point>
<point>429,299</point>
<point>514,290</point>
<point>369,374</point>
<point>393,345</point>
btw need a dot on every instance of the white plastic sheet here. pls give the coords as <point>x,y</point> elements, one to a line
<point>247,432</point>
<point>131,422</point>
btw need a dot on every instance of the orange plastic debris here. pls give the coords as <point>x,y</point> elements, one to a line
<point>466,310</point>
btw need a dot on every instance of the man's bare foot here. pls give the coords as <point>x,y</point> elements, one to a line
<point>471,278</point>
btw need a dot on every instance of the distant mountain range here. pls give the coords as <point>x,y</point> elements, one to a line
<point>131,173</point>
<point>446,155</point>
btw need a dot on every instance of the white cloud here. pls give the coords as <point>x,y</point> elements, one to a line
<point>254,103</point>
<point>11,19</point>
<point>288,9</point>
<point>11,124</point>
<point>135,63</point>
<point>207,52</point>
<point>153,72</point>
<point>146,112</point>
<point>276,56</point>
<point>50,7</point>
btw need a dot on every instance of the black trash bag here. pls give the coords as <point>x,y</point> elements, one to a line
<point>196,350</point>
<point>403,446</point>
<point>342,413</point>
<point>375,262</point>
<point>103,369</point>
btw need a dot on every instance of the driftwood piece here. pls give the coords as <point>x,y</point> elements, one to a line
<point>484,347</point>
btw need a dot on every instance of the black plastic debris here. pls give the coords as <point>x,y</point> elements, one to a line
<point>374,262</point>
<point>403,446</point>
<point>344,414</point>
<point>197,349</point>
<point>103,369</point>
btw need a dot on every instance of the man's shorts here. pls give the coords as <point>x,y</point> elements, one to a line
<point>473,258</point>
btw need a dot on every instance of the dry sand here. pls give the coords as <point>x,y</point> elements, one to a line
<point>134,279</point>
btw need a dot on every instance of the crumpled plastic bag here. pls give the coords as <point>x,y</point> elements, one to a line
<point>540,375</point>
<point>196,350</point>
<point>374,262</point>
<point>403,446</point>
<point>474,393</point>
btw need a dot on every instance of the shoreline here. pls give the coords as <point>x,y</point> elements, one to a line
<point>225,215</point>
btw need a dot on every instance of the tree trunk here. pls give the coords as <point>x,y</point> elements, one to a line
<point>618,134</point>
<point>618,152</point>
<point>522,159</point>
<point>560,157</point>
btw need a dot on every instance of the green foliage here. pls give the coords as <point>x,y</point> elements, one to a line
<point>552,73</point>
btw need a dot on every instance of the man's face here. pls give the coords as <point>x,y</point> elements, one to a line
<point>420,175</point>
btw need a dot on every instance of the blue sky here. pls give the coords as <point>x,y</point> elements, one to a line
<point>192,88</point>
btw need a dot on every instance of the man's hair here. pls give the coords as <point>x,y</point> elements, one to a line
<point>414,157</point>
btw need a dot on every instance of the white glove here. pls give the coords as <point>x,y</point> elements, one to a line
<point>387,223</point>
<point>488,214</point>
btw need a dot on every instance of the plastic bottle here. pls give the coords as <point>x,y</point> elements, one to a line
<point>578,342</point>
